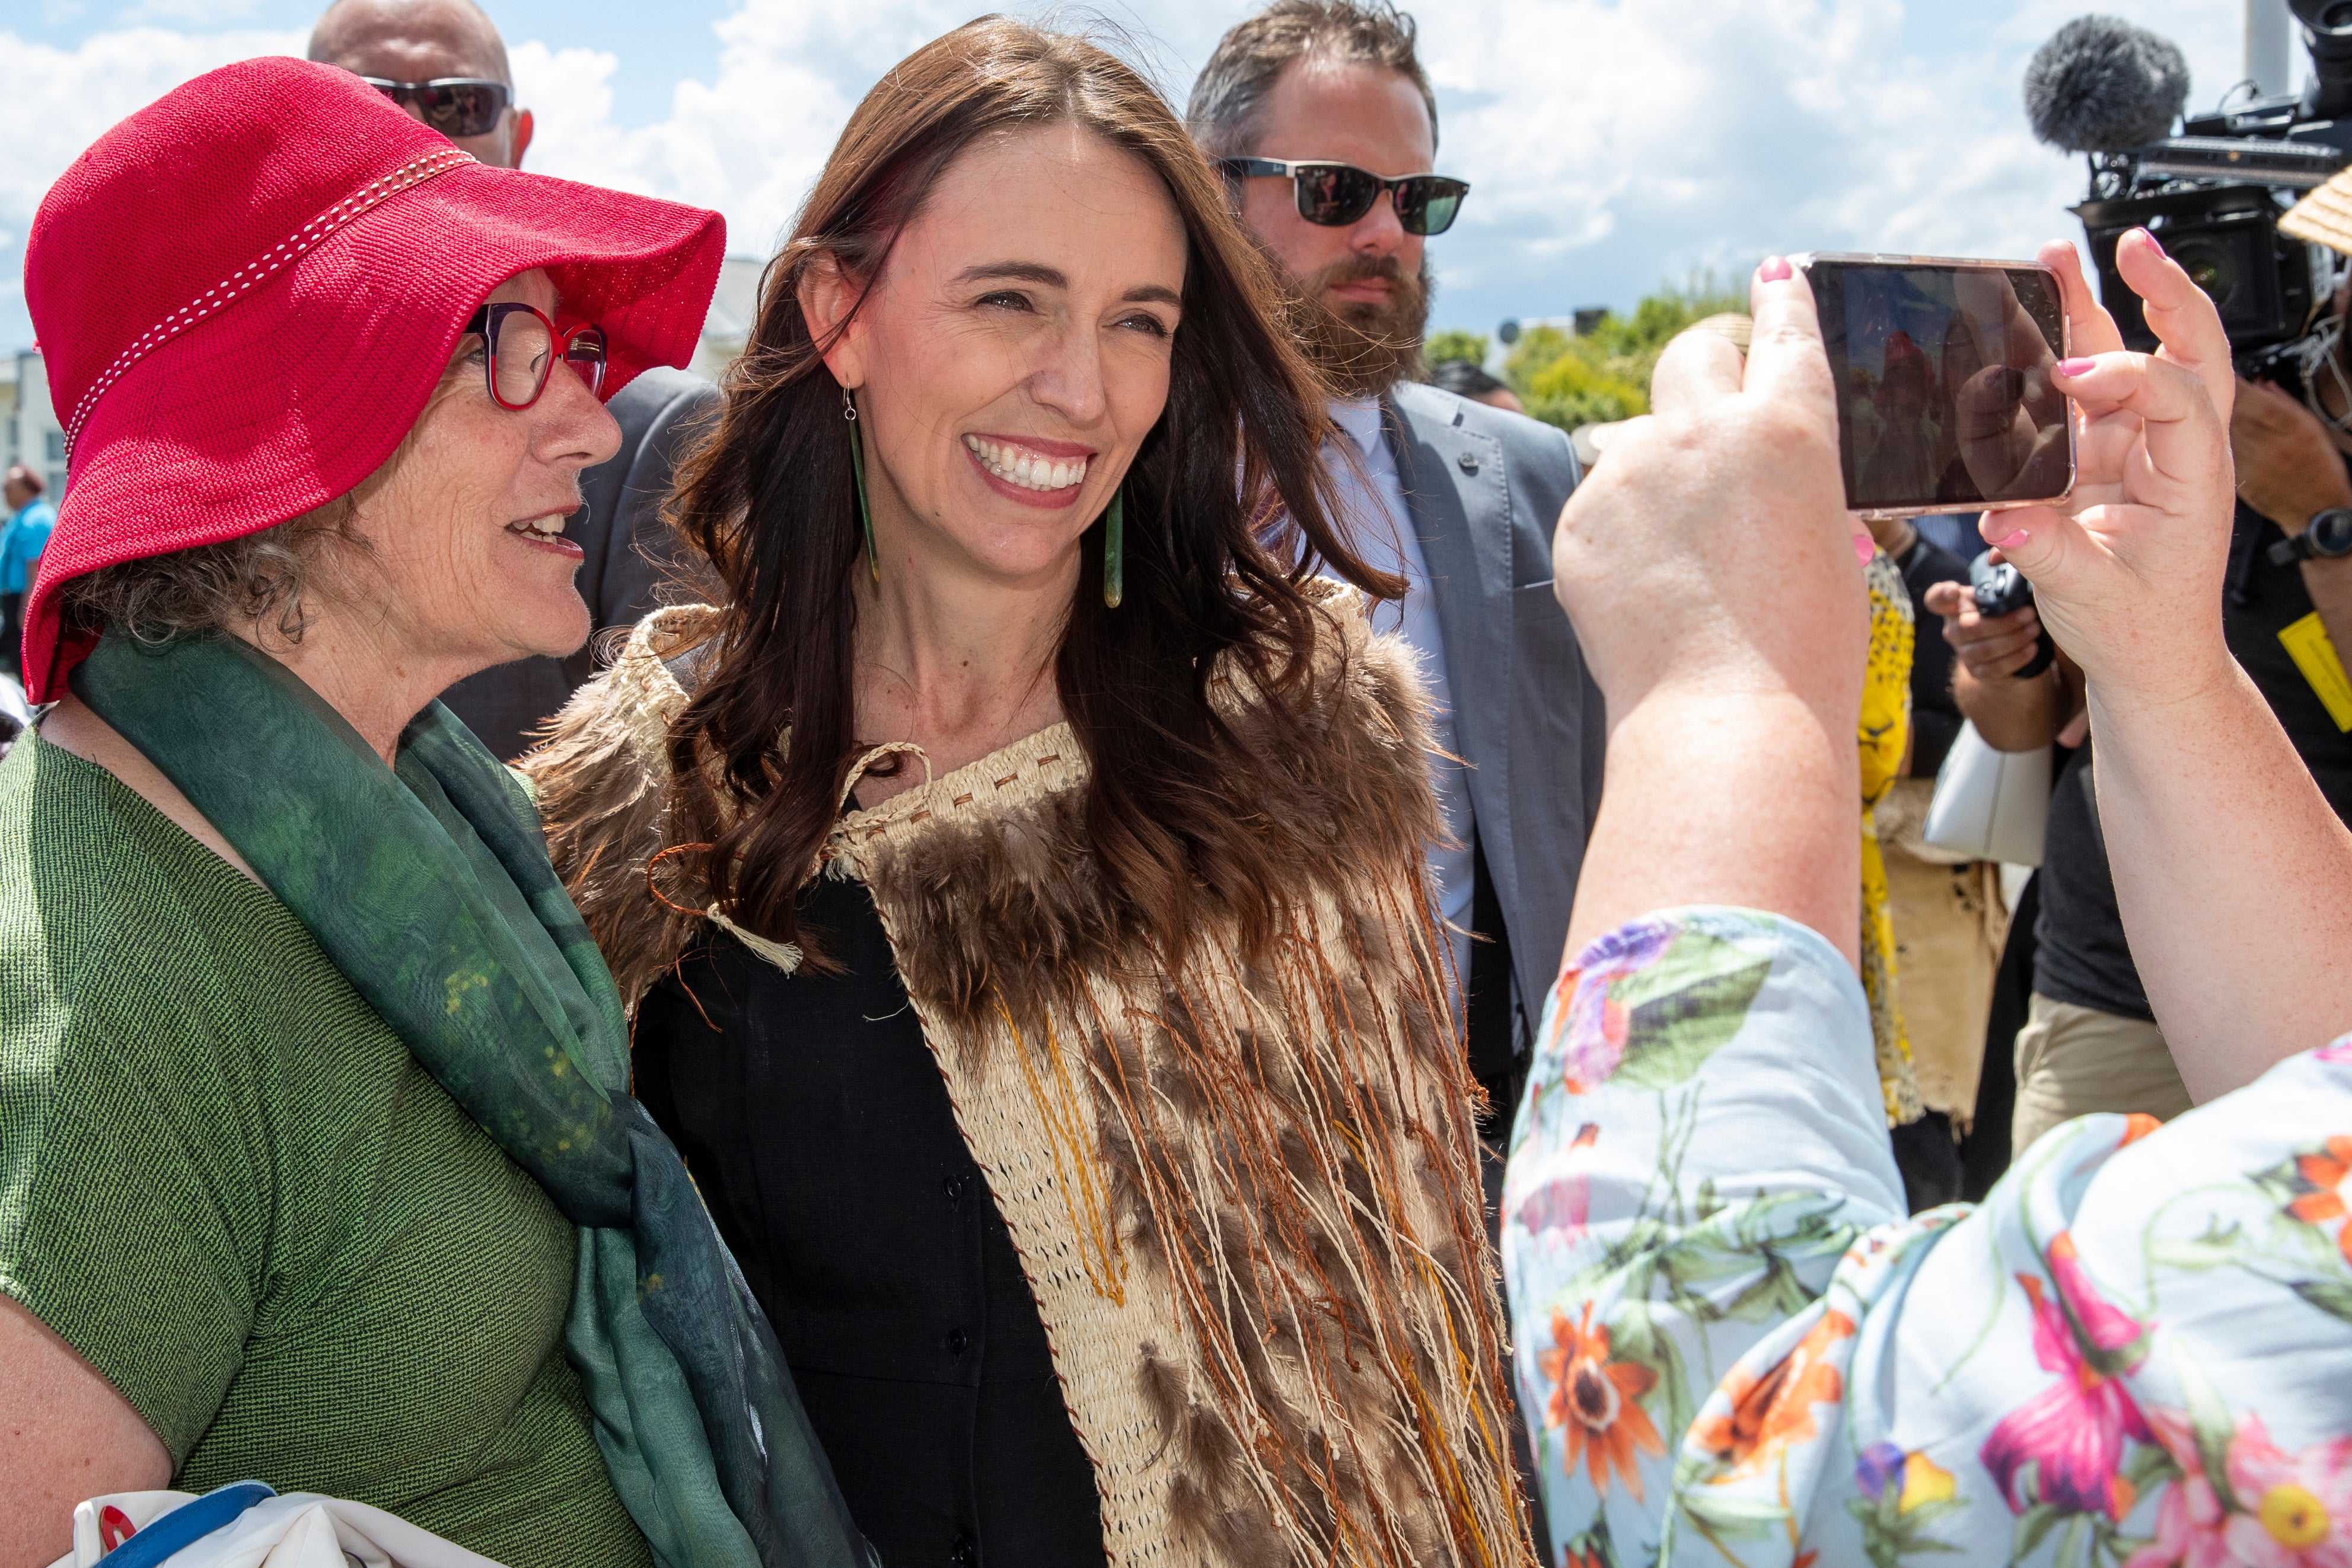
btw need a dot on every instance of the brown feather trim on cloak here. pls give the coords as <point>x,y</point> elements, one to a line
<point>1246,1199</point>
<point>603,782</point>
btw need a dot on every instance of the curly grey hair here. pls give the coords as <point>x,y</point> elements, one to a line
<point>212,587</point>
<point>236,583</point>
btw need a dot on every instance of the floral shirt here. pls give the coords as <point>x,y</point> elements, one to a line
<point>1732,1349</point>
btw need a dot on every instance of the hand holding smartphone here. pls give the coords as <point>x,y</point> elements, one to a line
<point>1945,400</point>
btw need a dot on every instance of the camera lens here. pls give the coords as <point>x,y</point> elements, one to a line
<point>2000,590</point>
<point>2324,16</point>
<point>2211,266</point>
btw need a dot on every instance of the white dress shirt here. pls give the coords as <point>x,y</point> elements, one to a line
<point>1374,520</point>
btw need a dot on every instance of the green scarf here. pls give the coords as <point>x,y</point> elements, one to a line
<point>428,886</point>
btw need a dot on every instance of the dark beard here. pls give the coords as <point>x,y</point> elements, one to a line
<point>1361,351</point>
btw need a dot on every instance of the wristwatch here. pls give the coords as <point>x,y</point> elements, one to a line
<point>2328,538</point>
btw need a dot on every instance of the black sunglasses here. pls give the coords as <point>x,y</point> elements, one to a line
<point>452,105</point>
<point>1337,195</point>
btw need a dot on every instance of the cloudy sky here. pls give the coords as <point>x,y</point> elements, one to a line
<point>1611,145</point>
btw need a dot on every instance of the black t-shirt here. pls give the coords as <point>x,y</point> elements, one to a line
<point>2084,958</point>
<point>1935,715</point>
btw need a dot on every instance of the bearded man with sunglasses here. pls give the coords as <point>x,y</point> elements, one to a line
<point>444,63</point>
<point>1321,117</point>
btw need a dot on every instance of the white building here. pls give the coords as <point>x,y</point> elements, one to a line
<point>28,426</point>
<point>734,310</point>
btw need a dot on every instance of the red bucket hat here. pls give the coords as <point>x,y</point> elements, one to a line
<point>246,293</point>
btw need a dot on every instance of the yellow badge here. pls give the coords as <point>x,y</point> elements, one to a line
<point>2308,643</point>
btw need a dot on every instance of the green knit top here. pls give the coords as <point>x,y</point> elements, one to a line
<point>229,1186</point>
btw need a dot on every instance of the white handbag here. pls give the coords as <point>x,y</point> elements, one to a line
<point>1989,805</point>
<point>299,1529</point>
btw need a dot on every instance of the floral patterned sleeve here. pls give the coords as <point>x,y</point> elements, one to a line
<point>1733,1349</point>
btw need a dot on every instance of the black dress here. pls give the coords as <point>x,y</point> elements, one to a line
<point>819,1130</point>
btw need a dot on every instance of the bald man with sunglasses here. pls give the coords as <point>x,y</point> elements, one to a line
<point>443,63</point>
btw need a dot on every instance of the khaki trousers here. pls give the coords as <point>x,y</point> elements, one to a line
<point>2071,1061</point>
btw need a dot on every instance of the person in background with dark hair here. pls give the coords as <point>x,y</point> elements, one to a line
<point>1462,379</point>
<point>1321,117</point>
<point>444,63</point>
<point>1022,872</point>
<point>22,538</point>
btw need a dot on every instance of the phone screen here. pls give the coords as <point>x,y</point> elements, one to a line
<point>1944,391</point>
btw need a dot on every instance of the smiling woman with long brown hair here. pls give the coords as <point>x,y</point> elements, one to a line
<point>1018,876</point>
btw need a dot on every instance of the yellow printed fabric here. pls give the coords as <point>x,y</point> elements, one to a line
<point>2314,652</point>
<point>1886,736</point>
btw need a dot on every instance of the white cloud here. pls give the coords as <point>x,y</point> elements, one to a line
<point>1615,145</point>
<point>55,102</point>
<point>213,14</point>
<point>750,140</point>
<point>1611,142</point>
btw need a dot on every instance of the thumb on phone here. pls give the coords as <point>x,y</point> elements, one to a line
<point>2039,542</point>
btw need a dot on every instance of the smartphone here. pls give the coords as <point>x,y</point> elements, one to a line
<point>1945,396</point>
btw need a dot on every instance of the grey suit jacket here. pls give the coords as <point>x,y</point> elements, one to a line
<point>1485,488</point>
<point>629,556</point>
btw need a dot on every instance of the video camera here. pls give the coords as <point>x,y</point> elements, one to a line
<point>2214,194</point>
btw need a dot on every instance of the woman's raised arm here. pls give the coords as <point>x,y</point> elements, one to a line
<point>2232,875</point>
<point>1709,568</point>
<point>1731,1345</point>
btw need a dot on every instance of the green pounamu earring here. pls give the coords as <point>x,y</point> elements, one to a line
<point>858,464</point>
<point>1115,549</point>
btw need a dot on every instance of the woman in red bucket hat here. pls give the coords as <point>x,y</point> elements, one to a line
<point>316,1162</point>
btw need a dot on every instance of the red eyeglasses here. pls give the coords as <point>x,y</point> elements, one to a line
<point>521,346</point>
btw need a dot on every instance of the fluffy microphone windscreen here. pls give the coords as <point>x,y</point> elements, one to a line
<point>2102,85</point>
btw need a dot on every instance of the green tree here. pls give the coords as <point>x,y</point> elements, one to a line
<point>1566,382</point>
<point>1538,349</point>
<point>1455,344</point>
<point>1605,375</point>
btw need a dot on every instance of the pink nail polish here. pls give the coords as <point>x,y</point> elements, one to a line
<point>1775,270</point>
<point>2074,367</point>
<point>1864,547</point>
<point>2012,541</point>
<point>2153,244</point>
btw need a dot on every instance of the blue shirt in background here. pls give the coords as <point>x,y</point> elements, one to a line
<point>22,541</point>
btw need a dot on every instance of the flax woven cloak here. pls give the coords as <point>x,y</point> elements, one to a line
<point>1245,1198</point>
